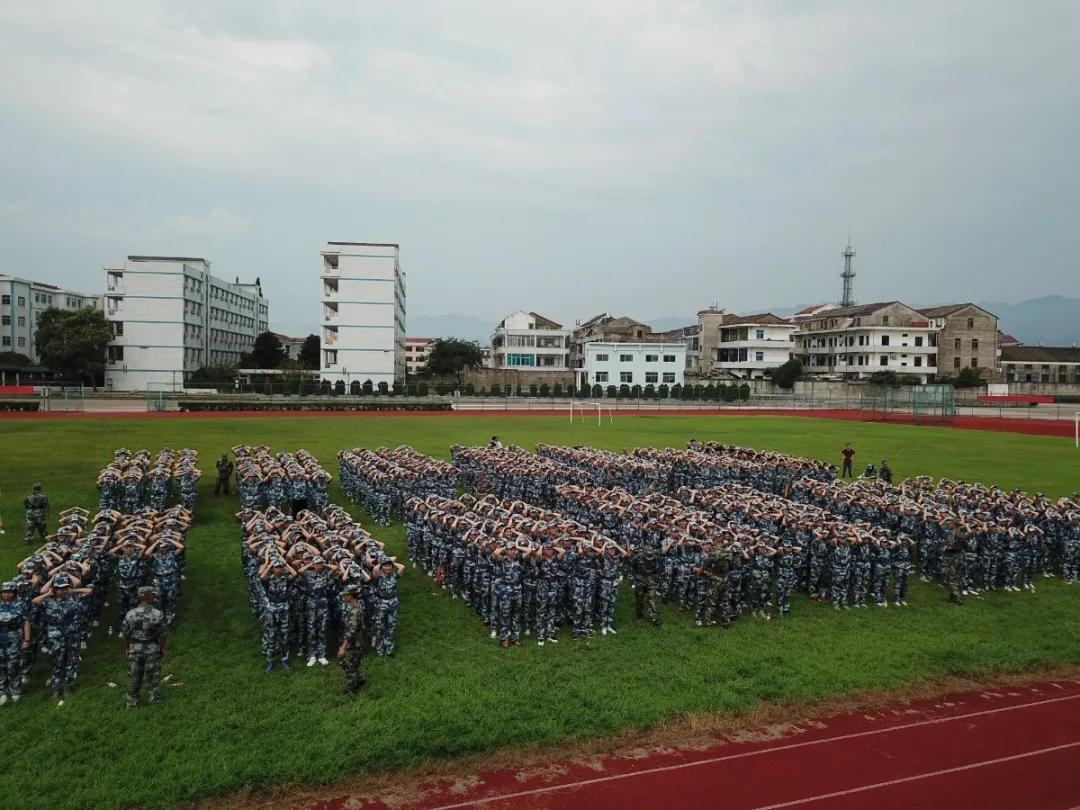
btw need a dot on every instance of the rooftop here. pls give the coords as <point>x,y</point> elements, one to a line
<point>762,318</point>
<point>167,259</point>
<point>368,244</point>
<point>1040,354</point>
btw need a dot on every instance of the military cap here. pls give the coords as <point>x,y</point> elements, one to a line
<point>352,590</point>
<point>62,581</point>
<point>147,590</point>
<point>8,587</point>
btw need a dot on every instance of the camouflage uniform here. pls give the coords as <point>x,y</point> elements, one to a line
<point>316,587</point>
<point>224,473</point>
<point>37,507</point>
<point>353,635</point>
<point>12,617</point>
<point>954,581</point>
<point>144,629</point>
<point>645,567</point>
<point>63,633</point>
<point>717,567</point>
<point>386,613</point>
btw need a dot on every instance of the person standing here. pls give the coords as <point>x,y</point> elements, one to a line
<point>144,631</point>
<point>14,636</point>
<point>37,514</point>
<point>351,651</point>
<point>848,454</point>
<point>63,632</point>
<point>225,469</point>
<point>645,567</point>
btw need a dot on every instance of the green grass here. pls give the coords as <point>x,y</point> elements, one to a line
<point>450,691</point>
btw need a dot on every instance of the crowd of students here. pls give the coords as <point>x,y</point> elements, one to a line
<point>131,480</point>
<point>383,480</point>
<point>291,481</point>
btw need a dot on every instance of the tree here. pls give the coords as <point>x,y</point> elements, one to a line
<point>310,352</point>
<point>453,356</point>
<point>73,342</point>
<point>887,377</point>
<point>14,360</point>
<point>967,378</point>
<point>785,376</point>
<point>267,351</point>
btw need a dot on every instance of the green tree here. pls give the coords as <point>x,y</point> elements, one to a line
<point>73,343</point>
<point>453,357</point>
<point>310,352</point>
<point>267,351</point>
<point>785,376</point>
<point>968,378</point>
<point>14,360</point>
<point>887,377</point>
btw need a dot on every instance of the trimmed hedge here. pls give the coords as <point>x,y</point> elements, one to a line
<point>27,404</point>
<point>202,405</point>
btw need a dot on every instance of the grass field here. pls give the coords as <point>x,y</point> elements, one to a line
<point>450,691</point>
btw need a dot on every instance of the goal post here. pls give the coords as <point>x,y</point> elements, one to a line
<point>580,408</point>
<point>1076,429</point>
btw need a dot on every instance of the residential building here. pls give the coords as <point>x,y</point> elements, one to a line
<point>525,340</point>
<point>363,313</point>
<point>417,350</point>
<point>854,342</point>
<point>1040,364</point>
<point>967,337</point>
<point>751,346</point>
<point>169,316</point>
<point>640,363</point>
<point>291,345</point>
<point>21,303</point>
<point>604,328</point>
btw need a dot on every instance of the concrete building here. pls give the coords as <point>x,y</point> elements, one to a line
<point>1040,364</point>
<point>606,329</point>
<point>291,345</point>
<point>170,316</point>
<point>21,303</point>
<point>751,346</point>
<point>967,337</point>
<point>525,340</point>
<point>854,342</point>
<point>417,350</point>
<point>363,313</point>
<point>624,363</point>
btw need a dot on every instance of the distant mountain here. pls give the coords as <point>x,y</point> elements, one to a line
<point>1052,321</point>
<point>447,326</point>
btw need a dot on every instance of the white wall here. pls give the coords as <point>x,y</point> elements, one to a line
<point>637,365</point>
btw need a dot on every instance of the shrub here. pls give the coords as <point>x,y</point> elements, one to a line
<point>194,405</point>
<point>384,388</point>
<point>663,391</point>
<point>545,390</point>
<point>354,388</point>
<point>339,387</point>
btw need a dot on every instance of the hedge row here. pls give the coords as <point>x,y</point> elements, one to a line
<point>27,404</point>
<point>194,405</point>
<point>717,393</point>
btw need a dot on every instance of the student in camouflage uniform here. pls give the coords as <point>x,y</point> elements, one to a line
<point>315,582</point>
<point>37,514</point>
<point>609,575</point>
<point>225,470</point>
<point>548,566</point>
<point>351,651</point>
<point>955,543</point>
<point>144,631</point>
<point>14,636</point>
<point>275,575</point>
<point>63,632</point>
<point>645,570</point>
<point>386,607</point>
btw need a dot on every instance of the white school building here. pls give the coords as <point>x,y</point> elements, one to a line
<point>21,303</point>
<point>632,364</point>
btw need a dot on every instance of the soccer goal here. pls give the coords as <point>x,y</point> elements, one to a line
<point>1077,428</point>
<point>581,407</point>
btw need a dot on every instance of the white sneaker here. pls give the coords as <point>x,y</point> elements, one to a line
<point>603,631</point>
<point>16,698</point>
<point>493,634</point>
<point>59,703</point>
<point>527,631</point>
<point>611,630</point>
<point>540,642</point>
<point>553,640</point>
<point>311,661</point>
<point>323,662</point>
<point>3,700</point>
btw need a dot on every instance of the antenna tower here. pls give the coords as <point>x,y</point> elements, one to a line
<point>848,298</point>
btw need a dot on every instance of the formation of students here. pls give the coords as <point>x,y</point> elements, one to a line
<point>131,480</point>
<point>524,569</point>
<point>713,464</point>
<point>307,572</point>
<point>513,473</point>
<point>383,480</point>
<point>58,595</point>
<point>291,481</point>
<point>635,474</point>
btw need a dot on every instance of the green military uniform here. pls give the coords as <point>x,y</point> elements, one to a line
<point>224,474</point>
<point>37,512</point>
<point>954,558</point>
<point>144,630</point>
<point>717,594</point>
<point>645,567</point>
<point>353,637</point>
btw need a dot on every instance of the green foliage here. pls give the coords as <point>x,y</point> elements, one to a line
<point>339,387</point>
<point>14,360</point>
<point>785,376</point>
<point>453,357</point>
<point>496,391</point>
<point>545,390</point>
<point>310,353</point>
<point>72,343</point>
<point>355,389</point>
<point>267,351</point>
<point>663,392</point>
<point>221,377</point>
<point>887,377</point>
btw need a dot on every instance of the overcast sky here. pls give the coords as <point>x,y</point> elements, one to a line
<point>644,158</point>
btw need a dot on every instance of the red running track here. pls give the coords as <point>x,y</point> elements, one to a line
<point>1010,748</point>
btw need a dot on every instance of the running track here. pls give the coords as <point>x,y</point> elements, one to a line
<point>1034,427</point>
<point>1015,747</point>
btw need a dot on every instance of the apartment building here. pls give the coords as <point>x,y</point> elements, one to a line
<point>170,316</point>
<point>749,347</point>
<point>526,340</point>
<point>967,337</point>
<point>1040,364</point>
<point>625,363</point>
<point>854,342</point>
<point>291,346</point>
<point>21,303</point>
<point>417,350</point>
<point>363,313</point>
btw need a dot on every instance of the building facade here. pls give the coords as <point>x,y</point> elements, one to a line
<point>170,316</point>
<point>967,337</point>
<point>622,363</point>
<point>854,342</point>
<point>21,303</point>
<point>363,313</point>
<point>751,346</point>
<point>291,346</point>
<point>417,350</point>
<point>1040,364</point>
<point>525,340</point>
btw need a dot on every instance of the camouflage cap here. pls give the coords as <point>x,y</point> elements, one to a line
<point>62,582</point>
<point>147,590</point>
<point>352,590</point>
<point>37,487</point>
<point>8,587</point>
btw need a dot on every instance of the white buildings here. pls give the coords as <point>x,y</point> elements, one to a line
<point>363,313</point>
<point>618,364</point>
<point>530,342</point>
<point>170,316</point>
<point>750,346</point>
<point>417,350</point>
<point>21,303</point>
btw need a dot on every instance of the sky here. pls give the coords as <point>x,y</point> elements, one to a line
<point>641,158</point>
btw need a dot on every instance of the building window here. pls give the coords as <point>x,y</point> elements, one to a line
<point>918,340</point>
<point>884,320</point>
<point>627,376</point>
<point>884,360</point>
<point>6,320</point>
<point>22,301</point>
<point>651,377</point>
<point>600,376</point>
<point>22,320</point>
<point>759,334</point>
<point>626,358</point>
<point>651,358</point>
<point>884,340</point>
<point>601,358</point>
<point>22,342</point>
<point>116,354</point>
<point>5,300</point>
<point>918,361</point>
<point>956,362</point>
<point>527,360</point>
<point>669,358</point>
<point>971,323</point>
<point>7,340</point>
<point>669,376</point>
<point>956,344</point>
<point>759,357</point>
<point>974,362</point>
<point>974,344</point>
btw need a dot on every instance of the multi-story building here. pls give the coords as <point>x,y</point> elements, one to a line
<point>170,316</point>
<point>525,340</point>
<point>1040,364</point>
<point>21,303</point>
<point>967,337</point>
<point>417,350</point>
<point>622,363</point>
<point>751,346</point>
<point>606,329</point>
<point>363,313</point>
<point>854,342</point>
<point>291,345</point>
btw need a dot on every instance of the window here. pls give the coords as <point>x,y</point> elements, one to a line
<point>22,301</point>
<point>956,362</point>
<point>974,344</point>
<point>971,323</point>
<point>759,334</point>
<point>918,360</point>
<point>884,360</point>
<point>22,320</point>
<point>651,377</point>
<point>601,358</point>
<point>918,340</point>
<point>884,320</point>
<point>974,361</point>
<point>669,376</point>
<point>651,358</point>
<point>669,358</point>
<point>884,340</point>
<point>7,340</point>
<point>601,376</point>
<point>626,358</point>
<point>6,320</point>
<point>956,344</point>
<point>627,376</point>
<point>528,360</point>
<point>116,354</point>
<point>22,342</point>
<point>6,300</point>
<point>759,357</point>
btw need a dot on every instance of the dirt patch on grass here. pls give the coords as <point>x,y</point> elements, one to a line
<point>764,722</point>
